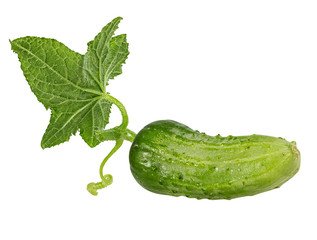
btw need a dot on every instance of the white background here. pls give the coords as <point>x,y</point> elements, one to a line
<point>228,67</point>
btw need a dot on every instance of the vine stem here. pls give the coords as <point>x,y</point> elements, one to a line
<point>119,134</point>
<point>125,119</point>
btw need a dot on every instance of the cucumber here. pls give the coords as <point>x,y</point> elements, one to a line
<point>167,157</point>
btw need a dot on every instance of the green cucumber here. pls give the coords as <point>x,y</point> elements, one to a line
<point>167,157</point>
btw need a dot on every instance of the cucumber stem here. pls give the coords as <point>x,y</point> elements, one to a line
<point>115,134</point>
<point>129,135</point>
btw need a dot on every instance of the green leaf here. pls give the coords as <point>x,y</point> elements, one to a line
<point>105,55</point>
<point>72,85</point>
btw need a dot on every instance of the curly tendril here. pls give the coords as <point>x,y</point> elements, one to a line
<point>93,187</point>
<point>118,134</point>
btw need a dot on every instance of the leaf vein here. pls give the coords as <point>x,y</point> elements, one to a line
<point>57,73</point>
<point>69,120</point>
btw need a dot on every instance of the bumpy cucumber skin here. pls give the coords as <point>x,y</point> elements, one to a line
<point>167,157</point>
